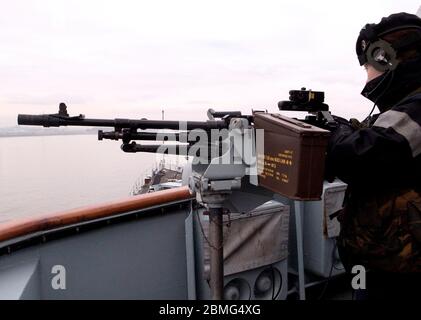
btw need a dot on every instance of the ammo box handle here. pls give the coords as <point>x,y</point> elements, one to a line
<point>296,122</point>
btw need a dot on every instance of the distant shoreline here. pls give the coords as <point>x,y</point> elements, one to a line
<point>46,134</point>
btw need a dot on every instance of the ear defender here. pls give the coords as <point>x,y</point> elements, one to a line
<point>381,55</point>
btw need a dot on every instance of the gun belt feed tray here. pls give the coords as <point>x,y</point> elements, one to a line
<point>294,156</point>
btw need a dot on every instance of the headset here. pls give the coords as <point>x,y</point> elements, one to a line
<point>381,54</point>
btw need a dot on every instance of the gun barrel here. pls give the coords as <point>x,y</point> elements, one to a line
<point>38,120</point>
<point>172,136</point>
<point>175,149</point>
<point>47,120</point>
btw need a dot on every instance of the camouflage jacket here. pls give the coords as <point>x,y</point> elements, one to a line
<point>381,222</point>
<point>383,232</point>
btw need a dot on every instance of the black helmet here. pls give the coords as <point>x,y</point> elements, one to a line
<point>372,48</point>
<point>385,46</point>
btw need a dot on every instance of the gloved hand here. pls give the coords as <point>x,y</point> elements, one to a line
<point>356,124</point>
<point>342,129</point>
<point>342,125</point>
<point>366,123</point>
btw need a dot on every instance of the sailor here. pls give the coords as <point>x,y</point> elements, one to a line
<point>380,160</point>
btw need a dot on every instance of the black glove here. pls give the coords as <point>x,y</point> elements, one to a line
<point>342,125</point>
<point>342,129</point>
<point>366,123</point>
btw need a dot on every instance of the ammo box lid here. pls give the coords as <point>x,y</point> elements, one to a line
<point>285,125</point>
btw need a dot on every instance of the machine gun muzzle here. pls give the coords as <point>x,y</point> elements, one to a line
<point>44,120</point>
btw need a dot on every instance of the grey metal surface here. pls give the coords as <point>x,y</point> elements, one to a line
<point>320,253</point>
<point>153,257</point>
<point>190,257</point>
<point>318,250</point>
<point>138,259</point>
<point>298,214</point>
<point>19,276</point>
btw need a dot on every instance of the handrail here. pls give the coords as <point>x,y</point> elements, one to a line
<point>23,226</point>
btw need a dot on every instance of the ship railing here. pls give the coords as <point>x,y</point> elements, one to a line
<point>22,227</point>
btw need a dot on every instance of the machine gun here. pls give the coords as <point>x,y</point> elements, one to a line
<point>131,130</point>
<point>210,181</point>
<point>284,163</point>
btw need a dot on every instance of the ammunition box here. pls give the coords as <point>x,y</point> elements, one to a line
<point>293,160</point>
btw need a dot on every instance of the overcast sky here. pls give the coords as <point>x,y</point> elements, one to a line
<point>126,58</point>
